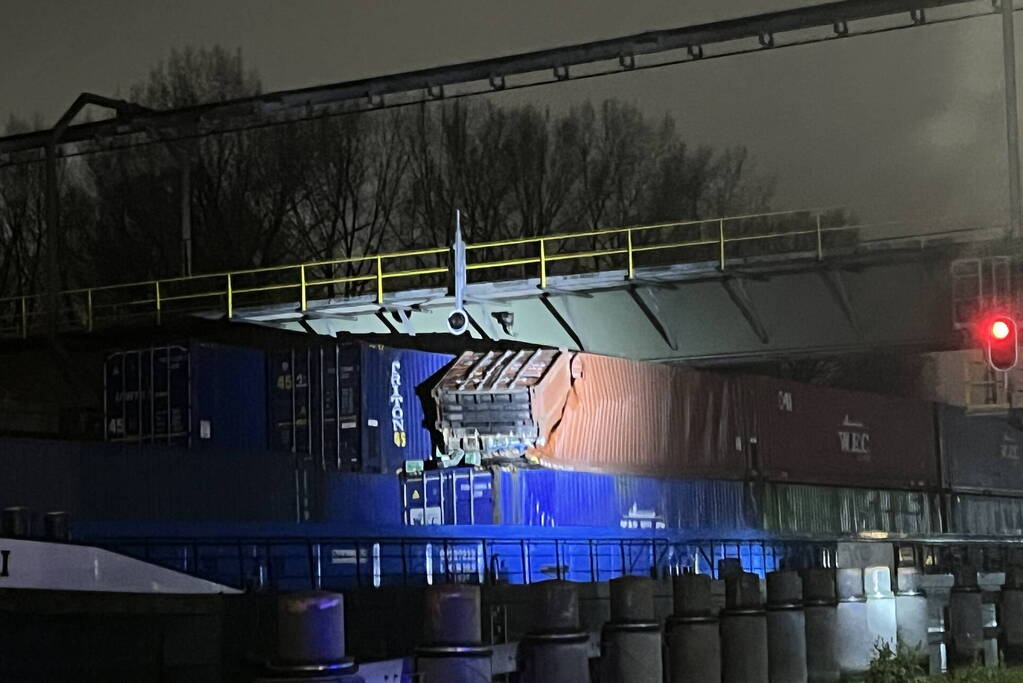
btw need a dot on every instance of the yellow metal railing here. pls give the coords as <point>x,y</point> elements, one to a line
<point>85,308</point>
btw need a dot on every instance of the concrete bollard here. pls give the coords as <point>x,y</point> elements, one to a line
<point>786,628</point>
<point>964,620</point>
<point>881,623</point>
<point>855,648</point>
<point>911,613</point>
<point>820,608</point>
<point>453,615</point>
<point>1010,617</point>
<point>452,650</point>
<point>743,632</point>
<point>631,641</point>
<point>556,649</point>
<point>693,639</point>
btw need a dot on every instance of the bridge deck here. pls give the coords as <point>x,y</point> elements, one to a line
<point>742,286</point>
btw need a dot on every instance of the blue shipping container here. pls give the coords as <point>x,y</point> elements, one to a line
<point>355,407</point>
<point>120,485</point>
<point>456,496</point>
<point>542,497</point>
<point>197,395</point>
<point>557,498</point>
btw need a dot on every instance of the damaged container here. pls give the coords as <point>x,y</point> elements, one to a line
<point>501,404</point>
<point>586,412</point>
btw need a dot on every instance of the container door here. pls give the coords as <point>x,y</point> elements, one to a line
<point>290,401</point>
<point>351,428</point>
<point>147,397</point>
<point>125,405</point>
<point>302,401</point>
<point>395,383</point>
<point>114,418</point>
<point>422,498</point>
<point>326,393</point>
<point>228,399</point>
<point>170,396</point>
<point>282,384</point>
<point>471,497</point>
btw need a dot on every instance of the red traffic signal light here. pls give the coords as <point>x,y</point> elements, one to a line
<point>1001,341</point>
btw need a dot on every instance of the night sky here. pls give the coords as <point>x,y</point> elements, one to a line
<point>900,125</point>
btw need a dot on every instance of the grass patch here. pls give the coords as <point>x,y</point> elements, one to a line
<point>904,666</point>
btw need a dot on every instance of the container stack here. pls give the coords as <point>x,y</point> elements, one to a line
<point>352,407</point>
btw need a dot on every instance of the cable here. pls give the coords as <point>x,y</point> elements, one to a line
<point>491,91</point>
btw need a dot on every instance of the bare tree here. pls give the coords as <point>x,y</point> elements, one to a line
<point>541,171</point>
<point>455,161</point>
<point>615,150</point>
<point>21,222</point>
<point>196,76</point>
<point>235,217</point>
<point>355,170</point>
<point>357,184</point>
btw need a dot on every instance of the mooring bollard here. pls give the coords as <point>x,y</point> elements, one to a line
<point>855,647</point>
<point>820,607</point>
<point>881,622</point>
<point>786,628</point>
<point>556,648</point>
<point>693,637</point>
<point>964,619</point>
<point>1010,617</point>
<point>743,632</point>
<point>310,639</point>
<point>911,613</point>
<point>452,650</point>
<point>631,641</point>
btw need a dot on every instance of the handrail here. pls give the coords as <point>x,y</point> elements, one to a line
<point>83,305</point>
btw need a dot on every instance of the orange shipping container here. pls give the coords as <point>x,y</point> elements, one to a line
<point>646,418</point>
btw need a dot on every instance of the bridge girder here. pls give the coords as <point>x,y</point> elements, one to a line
<point>694,313</point>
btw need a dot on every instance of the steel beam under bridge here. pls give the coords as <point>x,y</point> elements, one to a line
<point>883,294</point>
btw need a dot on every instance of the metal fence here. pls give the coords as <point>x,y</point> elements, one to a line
<point>346,563</point>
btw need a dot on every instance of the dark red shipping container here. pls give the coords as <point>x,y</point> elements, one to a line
<point>819,435</point>
<point>646,418</point>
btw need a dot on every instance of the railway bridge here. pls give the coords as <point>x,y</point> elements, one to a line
<point>710,290</point>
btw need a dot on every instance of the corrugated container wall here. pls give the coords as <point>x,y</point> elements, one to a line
<point>973,515</point>
<point>516,497</point>
<point>819,435</point>
<point>819,510</point>
<point>556,498</point>
<point>199,395</point>
<point>980,453</point>
<point>355,407</point>
<point>647,418</point>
